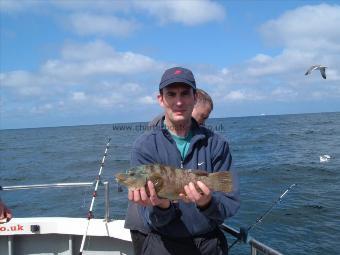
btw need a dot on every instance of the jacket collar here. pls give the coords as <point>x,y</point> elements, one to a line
<point>198,132</point>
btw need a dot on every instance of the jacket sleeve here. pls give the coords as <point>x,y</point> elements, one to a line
<point>152,215</point>
<point>223,205</point>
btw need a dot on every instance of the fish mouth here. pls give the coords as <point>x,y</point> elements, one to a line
<point>120,177</point>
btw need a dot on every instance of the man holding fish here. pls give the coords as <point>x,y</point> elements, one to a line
<point>173,210</point>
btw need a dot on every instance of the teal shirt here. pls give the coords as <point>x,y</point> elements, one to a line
<point>182,143</point>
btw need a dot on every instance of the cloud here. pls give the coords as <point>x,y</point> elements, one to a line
<point>283,94</point>
<point>309,35</point>
<point>189,13</point>
<point>12,6</point>
<point>307,28</point>
<point>241,96</point>
<point>97,58</point>
<point>112,95</point>
<point>95,77</point>
<point>235,95</point>
<point>23,83</point>
<point>79,96</point>
<point>88,76</point>
<point>333,74</point>
<point>147,100</point>
<point>289,60</point>
<point>87,51</point>
<point>88,19</point>
<point>186,12</point>
<point>41,109</point>
<point>102,6</point>
<point>102,25</point>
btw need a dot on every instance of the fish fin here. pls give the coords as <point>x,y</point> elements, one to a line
<point>157,181</point>
<point>200,173</point>
<point>221,181</point>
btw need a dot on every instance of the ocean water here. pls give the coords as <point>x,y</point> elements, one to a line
<point>269,152</point>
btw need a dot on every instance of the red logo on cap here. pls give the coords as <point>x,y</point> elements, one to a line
<point>178,72</point>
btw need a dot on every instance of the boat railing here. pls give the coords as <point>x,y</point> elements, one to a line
<point>66,185</point>
<point>256,247</point>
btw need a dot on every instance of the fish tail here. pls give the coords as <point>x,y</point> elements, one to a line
<point>221,181</point>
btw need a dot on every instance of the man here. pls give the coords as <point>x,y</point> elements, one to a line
<point>201,112</point>
<point>202,109</point>
<point>5,213</point>
<point>190,225</point>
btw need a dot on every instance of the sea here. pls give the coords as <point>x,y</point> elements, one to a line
<point>270,153</point>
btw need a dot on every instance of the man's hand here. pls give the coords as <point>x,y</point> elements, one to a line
<point>5,213</point>
<point>141,197</point>
<point>194,196</point>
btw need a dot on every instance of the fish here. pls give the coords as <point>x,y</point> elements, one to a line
<point>169,181</point>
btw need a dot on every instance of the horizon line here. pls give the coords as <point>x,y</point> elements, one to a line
<point>245,116</point>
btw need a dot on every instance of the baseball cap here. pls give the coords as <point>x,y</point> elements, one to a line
<point>177,75</point>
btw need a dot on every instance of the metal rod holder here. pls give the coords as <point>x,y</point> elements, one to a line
<point>107,201</point>
<point>10,245</point>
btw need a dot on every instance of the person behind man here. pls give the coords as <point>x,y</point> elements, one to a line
<point>5,213</point>
<point>202,109</point>
<point>191,224</point>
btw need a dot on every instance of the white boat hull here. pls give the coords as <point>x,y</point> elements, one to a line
<point>58,235</point>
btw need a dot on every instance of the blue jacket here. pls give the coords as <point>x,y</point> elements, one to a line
<point>208,151</point>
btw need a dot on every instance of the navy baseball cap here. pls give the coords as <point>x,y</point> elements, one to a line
<point>177,75</point>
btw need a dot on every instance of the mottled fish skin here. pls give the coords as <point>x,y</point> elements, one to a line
<point>169,182</point>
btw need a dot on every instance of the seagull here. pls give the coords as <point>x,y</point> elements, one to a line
<point>325,158</point>
<point>315,67</point>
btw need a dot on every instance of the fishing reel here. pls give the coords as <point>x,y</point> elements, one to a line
<point>243,236</point>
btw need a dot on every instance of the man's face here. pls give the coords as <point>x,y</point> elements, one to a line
<point>201,113</point>
<point>178,101</point>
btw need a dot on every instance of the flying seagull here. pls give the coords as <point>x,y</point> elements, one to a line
<point>315,67</point>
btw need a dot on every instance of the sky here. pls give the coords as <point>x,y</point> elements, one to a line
<point>65,63</point>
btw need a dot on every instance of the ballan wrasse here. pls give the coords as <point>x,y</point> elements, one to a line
<point>169,182</point>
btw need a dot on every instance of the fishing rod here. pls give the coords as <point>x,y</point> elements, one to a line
<point>243,235</point>
<point>45,186</point>
<point>94,195</point>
